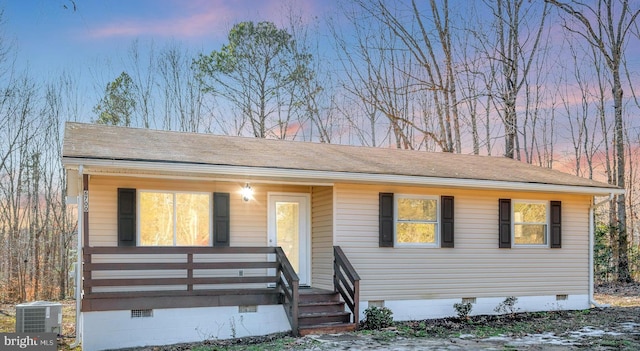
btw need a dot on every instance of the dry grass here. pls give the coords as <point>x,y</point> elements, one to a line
<point>626,295</point>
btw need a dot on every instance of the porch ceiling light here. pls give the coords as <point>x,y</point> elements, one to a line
<point>247,192</point>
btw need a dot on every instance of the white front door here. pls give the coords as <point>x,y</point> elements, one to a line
<point>290,228</point>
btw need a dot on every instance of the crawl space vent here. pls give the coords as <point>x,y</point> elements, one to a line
<point>141,313</point>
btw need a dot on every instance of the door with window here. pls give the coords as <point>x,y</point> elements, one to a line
<point>290,228</point>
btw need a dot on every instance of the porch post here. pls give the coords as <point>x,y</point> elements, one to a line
<point>85,209</point>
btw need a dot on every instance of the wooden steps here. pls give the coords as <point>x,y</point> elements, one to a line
<point>322,312</point>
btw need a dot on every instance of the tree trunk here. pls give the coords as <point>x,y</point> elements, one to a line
<point>624,275</point>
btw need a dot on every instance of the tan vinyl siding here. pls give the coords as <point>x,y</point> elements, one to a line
<point>322,237</point>
<point>248,219</point>
<point>248,227</point>
<point>476,266</point>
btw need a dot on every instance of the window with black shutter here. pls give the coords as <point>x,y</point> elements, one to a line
<point>416,220</point>
<point>530,223</point>
<point>170,218</point>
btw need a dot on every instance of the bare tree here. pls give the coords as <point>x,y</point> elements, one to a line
<point>372,79</point>
<point>18,132</point>
<point>181,93</point>
<point>606,27</point>
<point>407,64</point>
<point>578,104</point>
<point>316,118</point>
<point>59,220</point>
<point>511,49</point>
<point>143,68</point>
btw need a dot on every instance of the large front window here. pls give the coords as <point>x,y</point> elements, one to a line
<point>416,220</point>
<point>175,219</point>
<point>530,223</point>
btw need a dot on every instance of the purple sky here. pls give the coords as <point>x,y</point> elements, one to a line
<point>92,41</point>
<point>50,37</point>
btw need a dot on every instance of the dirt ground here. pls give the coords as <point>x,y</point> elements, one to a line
<point>616,327</point>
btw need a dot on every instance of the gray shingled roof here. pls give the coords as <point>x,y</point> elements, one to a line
<point>100,142</point>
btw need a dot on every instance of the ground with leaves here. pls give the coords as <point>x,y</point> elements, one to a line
<point>612,328</point>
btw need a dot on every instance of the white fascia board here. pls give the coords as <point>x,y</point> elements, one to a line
<point>98,166</point>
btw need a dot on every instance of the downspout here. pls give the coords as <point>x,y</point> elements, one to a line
<point>78,264</point>
<point>591,248</point>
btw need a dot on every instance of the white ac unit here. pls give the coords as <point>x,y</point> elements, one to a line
<point>39,317</point>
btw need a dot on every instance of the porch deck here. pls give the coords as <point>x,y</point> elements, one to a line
<point>133,278</point>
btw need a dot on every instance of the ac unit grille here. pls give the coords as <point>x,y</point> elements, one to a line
<point>33,320</point>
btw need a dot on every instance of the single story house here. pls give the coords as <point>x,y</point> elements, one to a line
<point>185,237</point>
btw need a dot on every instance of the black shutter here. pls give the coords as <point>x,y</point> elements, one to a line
<point>386,220</point>
<point>556,224</point>
<point>446,221</point>
<point>126,217</point>
<point>221,215</point>
<point>504,231</point>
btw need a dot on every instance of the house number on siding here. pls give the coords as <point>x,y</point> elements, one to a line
<point>85,200</point>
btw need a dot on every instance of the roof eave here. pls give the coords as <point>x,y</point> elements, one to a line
<point>92,165</point>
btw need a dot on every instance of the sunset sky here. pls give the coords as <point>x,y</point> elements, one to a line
<point>91,42</point>
<point>50,37</point>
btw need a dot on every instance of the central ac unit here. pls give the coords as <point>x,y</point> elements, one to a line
<point>39,317</point>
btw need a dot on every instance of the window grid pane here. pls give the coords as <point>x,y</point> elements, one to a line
<point>156,219</point>
<point>530,223</point>
<point>530,213</point>
<point>422,210</point>
<point>175,219</point>
<point>532,234</point>
<point>415,233</point>
<point>192,219</point>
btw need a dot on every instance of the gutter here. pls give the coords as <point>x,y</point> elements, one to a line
<point>99,166</point>
<point>591,248</point>
<point>78,263</point>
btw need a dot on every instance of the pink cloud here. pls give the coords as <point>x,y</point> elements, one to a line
<point>205,21</point>
<point>202,18</point>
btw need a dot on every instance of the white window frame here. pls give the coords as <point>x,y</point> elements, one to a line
<point>396,198</point>
<point>175,222</point>
<point>546,223</point>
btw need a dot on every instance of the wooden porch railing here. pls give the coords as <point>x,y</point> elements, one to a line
<point>346,281</point>
<point>138,279</point>
<point>161,292</point>
<point>289,285</point>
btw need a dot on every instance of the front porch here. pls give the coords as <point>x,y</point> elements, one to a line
<point>147,278</point>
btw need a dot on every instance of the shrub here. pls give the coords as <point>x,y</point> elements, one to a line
<point>507,306</point>
<point>377,318</point>
<point>463,309</point>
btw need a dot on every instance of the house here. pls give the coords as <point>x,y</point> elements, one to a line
<point>185,237</point>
